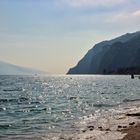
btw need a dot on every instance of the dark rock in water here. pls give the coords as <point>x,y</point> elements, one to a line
<point>132,76</point>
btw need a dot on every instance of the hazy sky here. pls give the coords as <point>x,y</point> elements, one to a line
<point>53,35</point>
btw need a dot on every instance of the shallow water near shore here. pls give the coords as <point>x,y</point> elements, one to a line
<point>46,107</point>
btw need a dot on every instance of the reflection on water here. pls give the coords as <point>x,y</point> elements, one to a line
<point>54,104</point>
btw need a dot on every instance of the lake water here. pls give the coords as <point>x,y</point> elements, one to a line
<point>44,107</point>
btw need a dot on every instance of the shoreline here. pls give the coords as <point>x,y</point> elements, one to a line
<point>123,126</point>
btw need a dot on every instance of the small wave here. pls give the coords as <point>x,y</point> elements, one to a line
<point>72,98</point>
<point>35,102</point>
<point>38,109</point>
<point>130,100</point>
<point>3,100</point>
<point>14,89</point>
<point>5,126</point>
<point>103,105</point>
<point>2,109</point>
<point>14,100</point>
<point>21,99</point>
<point>33,109</point>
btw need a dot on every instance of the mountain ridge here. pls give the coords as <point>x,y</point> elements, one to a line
<point>12,69</point>
<point>91,62</point>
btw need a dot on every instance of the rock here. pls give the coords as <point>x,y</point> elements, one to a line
<point>100,127</point>
<point>90,127</point>
<point>124,126</point>
<point>132,123</point>
<point>119,126</point>
<point>107,129</point>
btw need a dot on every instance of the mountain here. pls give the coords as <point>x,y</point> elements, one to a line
<point>10,69</point>
<point>110,56</point>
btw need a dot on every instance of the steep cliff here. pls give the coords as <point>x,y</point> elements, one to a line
<point>107,56</point>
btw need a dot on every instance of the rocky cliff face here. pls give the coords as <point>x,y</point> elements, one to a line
<point>107,56</point>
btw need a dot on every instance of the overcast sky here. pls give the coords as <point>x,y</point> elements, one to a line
<point>53,35</point>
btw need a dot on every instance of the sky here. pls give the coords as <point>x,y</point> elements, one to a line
<point>53,35</point>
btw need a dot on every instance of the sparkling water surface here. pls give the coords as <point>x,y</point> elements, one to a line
<point>54,104</point>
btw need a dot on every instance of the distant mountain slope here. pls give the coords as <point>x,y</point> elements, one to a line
<point>107,56</point>
<point>10,69</point>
